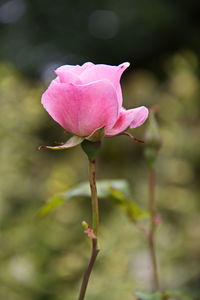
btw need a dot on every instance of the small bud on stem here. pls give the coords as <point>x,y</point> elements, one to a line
<point>152,138</point>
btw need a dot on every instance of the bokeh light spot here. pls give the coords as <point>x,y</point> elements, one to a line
<point>11,11</point>
<point>103,24</point>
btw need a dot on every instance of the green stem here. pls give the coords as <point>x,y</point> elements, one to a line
<point>95,219</point>
<point>152,231</point>
<point>95,205</point>
<point>88,271</point>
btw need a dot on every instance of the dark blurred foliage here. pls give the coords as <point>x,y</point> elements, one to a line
<point>44,259</point>
<point>36,35</point>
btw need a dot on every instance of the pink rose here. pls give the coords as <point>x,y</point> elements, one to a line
<point>85,98</point>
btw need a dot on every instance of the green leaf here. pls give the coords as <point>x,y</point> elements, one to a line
<point>103,189</point>
<point>148,296</point>
<point>133,210</point>
<point>116,191</point>
<point>83,190</point>
<point>117,196</point>
<point>72,142</point>
<point>51,205</point>
<point>177,294</point>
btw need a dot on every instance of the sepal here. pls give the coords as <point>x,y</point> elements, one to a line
<point>90,148</point>
<point>72,142</point>
<point>96,135</point>
<point>132,137</point>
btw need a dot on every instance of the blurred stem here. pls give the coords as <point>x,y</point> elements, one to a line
<point>152,231</point>
<point>95,220</point>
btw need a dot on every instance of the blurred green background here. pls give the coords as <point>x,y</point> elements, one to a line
<point>45,259</point>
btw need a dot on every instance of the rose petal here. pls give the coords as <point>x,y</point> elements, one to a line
<point>81,109</point>
<point>139,116</point>
<point>65,76</point>
<point>129,118</point>
<point>112,73</point>
<point>77,70</point>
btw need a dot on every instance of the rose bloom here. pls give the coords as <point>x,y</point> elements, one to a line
<point>83,99</point>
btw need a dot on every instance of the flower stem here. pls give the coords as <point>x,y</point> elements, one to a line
<point>95,204</point>
<point>95,219</point>
<point>152,231</point>
<point>88,271</point>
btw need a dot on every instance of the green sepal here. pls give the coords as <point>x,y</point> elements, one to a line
<point>72,142</point>
<point>96,135</point>
<point>90,148</point>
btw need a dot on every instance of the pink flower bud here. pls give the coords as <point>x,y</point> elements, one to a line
<point>85,98</point>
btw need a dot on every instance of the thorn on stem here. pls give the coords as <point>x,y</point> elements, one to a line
<point>89,231</point>
<point>158,219</point>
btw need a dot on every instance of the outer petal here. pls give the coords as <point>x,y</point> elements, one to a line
<point>77,70</point>
<point>81,109</point>
<point>129,118</point>
<point>65,76</point>
<point>112,73</point>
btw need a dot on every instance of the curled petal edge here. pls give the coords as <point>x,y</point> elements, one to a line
<point>128,118</point>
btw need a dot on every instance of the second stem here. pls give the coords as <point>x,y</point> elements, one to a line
<point>151,238</point>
